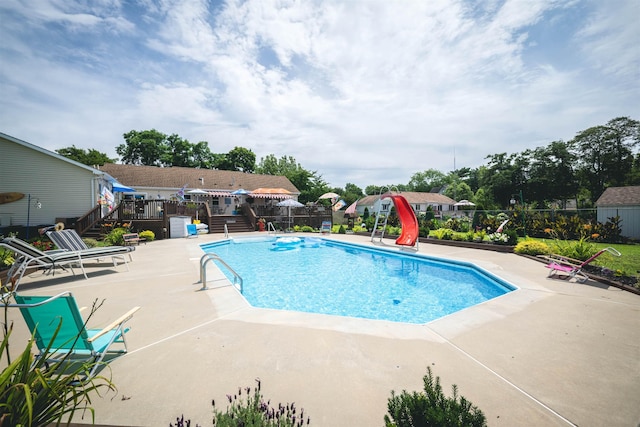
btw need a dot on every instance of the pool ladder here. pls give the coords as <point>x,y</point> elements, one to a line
<point>210,256</point>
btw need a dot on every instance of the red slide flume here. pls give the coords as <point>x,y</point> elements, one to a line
<point>410,228</point>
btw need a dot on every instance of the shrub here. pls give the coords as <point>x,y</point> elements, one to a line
<point>432,408</point>
<point>147,235</point>
<point>307,229</point>
<point>342,230</point>
<point>499,238</point>
<point>532,247</point>
<point>114,237</point>
<point>443,233</point>
<point>253,410</point>
<point>580,249</point>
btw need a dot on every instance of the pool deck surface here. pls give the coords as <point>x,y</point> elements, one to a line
<point>552,353</point>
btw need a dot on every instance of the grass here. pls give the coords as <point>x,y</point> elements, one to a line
<point>628,263</point>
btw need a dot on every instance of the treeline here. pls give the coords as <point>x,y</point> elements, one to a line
<point>580,169</point>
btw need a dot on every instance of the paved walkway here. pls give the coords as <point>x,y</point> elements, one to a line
<point>552,353</point>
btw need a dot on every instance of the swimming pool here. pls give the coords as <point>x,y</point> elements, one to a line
<point>344,279</point>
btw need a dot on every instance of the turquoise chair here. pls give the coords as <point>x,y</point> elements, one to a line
<point>73,342</point>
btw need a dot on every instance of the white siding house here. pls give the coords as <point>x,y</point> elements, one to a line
<point>625,203</point>
<point>53,186</point>
<point>420,202</point>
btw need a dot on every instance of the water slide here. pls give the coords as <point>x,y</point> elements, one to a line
<point>410,228</point>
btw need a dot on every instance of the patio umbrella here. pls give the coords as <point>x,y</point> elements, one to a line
<point>271,193</point>
<point>329,196</point>
<point>240,192</point>
<point>197,192</point>
<point>289,203</point>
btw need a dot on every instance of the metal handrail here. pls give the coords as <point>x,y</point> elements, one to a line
<point>210,256</point>
<point>226,232</point>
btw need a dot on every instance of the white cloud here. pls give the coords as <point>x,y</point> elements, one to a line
<point>367,92</point>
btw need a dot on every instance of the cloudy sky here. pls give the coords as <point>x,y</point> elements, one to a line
<point>361,91</point>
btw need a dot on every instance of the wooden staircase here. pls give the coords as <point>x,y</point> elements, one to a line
<point>235,224</point>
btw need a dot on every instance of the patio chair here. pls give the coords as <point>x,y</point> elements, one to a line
<point>573,268</point>
<point>30,257</point>
<point>73,342</point>
<point>70,240</point>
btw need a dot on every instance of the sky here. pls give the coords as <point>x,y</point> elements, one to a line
<point>367,92</point>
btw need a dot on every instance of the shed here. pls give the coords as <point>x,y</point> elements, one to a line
<point>625,203</point>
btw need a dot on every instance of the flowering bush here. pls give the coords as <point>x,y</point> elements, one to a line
<point>499,238</point>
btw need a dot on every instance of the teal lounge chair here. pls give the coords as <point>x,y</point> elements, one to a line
<point>73,342</point>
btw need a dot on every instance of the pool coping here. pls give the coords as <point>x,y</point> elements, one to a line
<point>581,342</point>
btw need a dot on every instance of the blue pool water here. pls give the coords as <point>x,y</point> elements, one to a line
<point>324,276</point>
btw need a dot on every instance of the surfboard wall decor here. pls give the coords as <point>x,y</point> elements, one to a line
<point>10,197</point>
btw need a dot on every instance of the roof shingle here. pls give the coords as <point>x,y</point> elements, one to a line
<point>176,177</point>
<point>620,196</point>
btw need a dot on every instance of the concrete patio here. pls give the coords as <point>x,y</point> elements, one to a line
<point>553,353</point>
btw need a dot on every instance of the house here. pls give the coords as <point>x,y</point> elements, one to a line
<point>439,203</point>
<point>52,187</point>
<point>152,182</point>
<point>625,203</point>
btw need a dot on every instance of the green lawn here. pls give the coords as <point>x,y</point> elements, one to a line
<point>628,262</point>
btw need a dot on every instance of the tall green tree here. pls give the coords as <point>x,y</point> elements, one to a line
<point>497,179</point>
<point>427,180</point>
<point>238,159</point>
<point>310,183</point>
<point>551,174</point>
<point>605,154</point>
<point>202,156</point>
<point>179,152</point>
<point>147,147</point>
<point>89,157</point>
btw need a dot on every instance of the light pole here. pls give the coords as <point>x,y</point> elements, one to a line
<point>37,204</point>
<point>513,203</point>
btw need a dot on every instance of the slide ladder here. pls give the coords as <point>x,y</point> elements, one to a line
<point>410,227</point>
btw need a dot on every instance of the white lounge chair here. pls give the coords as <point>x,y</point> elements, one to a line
<point>30,257</point>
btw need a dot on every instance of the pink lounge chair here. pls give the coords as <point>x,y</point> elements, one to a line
<point>573,268</point>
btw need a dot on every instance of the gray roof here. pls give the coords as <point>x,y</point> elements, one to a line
<point>176,177</point>
<point>620,196</point>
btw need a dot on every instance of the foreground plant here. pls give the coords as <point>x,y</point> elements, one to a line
<point>34,392</point>
<point>432,408</point>
<point>248,408</point>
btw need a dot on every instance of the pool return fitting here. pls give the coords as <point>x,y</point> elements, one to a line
<point>210,256</point>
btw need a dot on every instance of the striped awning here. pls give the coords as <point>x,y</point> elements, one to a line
<point>271,196</point>
<point>220,193</point>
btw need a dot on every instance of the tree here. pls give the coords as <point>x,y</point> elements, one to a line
<point>147,147</point>
<point>89,157</point>
<point>239,159</point>
<point>605,154</point>
<point>310,183</point>
<point>426,181</point>
<point>202,156</point>
<point>552,175</point>
<point>179,152</point>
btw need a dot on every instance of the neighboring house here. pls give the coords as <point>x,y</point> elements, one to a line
<point>625,203</point>
<point>440,204</point>
<point>53,186</point>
